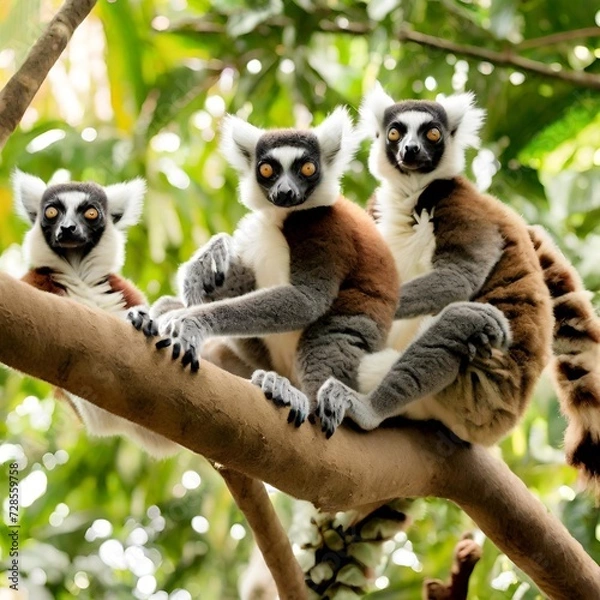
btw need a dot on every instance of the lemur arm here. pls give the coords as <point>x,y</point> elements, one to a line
<point>215,272</point>
<point>460,268</point>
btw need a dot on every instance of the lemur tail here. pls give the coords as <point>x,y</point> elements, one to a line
<point>576,348</point>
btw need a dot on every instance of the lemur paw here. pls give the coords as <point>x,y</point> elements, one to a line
<point>206,272</point>
<point>333,400</point>
<point>468,551</point>
<point>283,393</point>
<point>141,320</point>
<point>484,328</point>
<point>185,335</point>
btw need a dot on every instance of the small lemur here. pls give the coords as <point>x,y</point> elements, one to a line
<point>306,285</point>
<point>75,248</point>
<point>463,258</point>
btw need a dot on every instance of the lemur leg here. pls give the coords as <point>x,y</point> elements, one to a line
<point>214,272</point>
<point>331,347</point>
<point>459,334</point>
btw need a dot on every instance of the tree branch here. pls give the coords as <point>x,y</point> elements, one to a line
<point>507,58</point>
<point>228,420</point>
<point>559,38</point>
<point>252,499</point>
<point>21,88</point>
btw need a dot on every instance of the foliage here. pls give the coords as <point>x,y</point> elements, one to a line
<point>141,91</point>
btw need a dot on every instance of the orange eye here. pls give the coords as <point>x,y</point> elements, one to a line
<point>266,170</point>
<point>308,169</point>
<point>393,135</point>
<point>434,134</point>
<point>90,214</point>
<point>51,212</point>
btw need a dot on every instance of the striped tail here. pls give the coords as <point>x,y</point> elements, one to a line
<point>576,347</point>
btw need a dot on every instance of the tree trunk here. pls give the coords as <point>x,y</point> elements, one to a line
<point>228,420</point>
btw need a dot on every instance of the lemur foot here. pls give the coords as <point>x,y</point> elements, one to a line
<point>468,552</point>
<point>482,327</point>
<point>283,393</point>
<point>185,334</point>
<point>336,400</point>
<point>206,271</point>
<point>141,320</point>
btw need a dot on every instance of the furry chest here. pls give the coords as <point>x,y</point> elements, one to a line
<point>99,295</point>
<point>261,246</point>
<point>411,239</point>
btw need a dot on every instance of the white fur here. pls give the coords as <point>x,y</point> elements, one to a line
<point>125,202</point>
<point>27,191</point>
<point>238,142</point>
<point>260,244</point>
<point>372,109</point>
<point>286,155</point>
<point>463,118</point>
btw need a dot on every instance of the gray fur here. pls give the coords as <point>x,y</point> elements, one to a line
<point>461,332</point>
<point>283,393</point>
<point>455,278</point>
<point>215,272</point>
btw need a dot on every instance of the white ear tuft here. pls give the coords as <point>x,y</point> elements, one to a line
<point>28,191</point>
<point>238,141</point>
<point>372,109</point>
<point>464,119</point>
<point>125,202</point>
<point>338,140</point>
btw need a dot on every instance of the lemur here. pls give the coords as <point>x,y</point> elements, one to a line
<point>463,256</point>
<point>76,248</point>
<point>305,286</point>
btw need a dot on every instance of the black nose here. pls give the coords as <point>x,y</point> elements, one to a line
<point>67,228</point>
<point>410,151</point>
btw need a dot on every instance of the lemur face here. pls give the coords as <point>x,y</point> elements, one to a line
<point>416,141</point>
<point>289,169</point>
<point>73,217</point>
<point>75,221</point>
<point>288,166</point>
<point>415,135</point>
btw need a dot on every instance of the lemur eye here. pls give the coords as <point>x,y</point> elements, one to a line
<point>90,214</point>
<point>51,212</point>
<point>393,135</point>
<point>266,170</point>
<point>308,169</point>
<point>434,134</point>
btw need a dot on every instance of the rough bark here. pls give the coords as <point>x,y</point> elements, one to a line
<point>229,421</point>
<point>18,93</point>
<point>252,499</point>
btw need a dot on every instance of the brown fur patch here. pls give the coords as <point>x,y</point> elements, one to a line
<point>42,280</point>
<point>363,263</point>
<point>131,295</point>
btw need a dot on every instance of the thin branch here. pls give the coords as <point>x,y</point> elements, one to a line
<point>21,88</point>
<point>507,58</point>
<point>228,420</point>
<point>252,499</point>
<point>560,37</point>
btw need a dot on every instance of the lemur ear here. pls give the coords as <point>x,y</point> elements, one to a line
<point>238,142</point>
<point>337,137</point>
<point>464,118</point>
<point>372,109</point>
<point>28,191</point>
<point>125,202</point>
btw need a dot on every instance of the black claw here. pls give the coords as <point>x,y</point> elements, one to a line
<point>150,329</point>
<point>188,357</point>
<point>292,416</point>
<point>163,343</point>
<point>176,350</point>
<point>300,418</point>
<point>312,418</point>
<point>136,321</point>
<point>195,366</point>
<point>219,278</point>
<point>329,433</point>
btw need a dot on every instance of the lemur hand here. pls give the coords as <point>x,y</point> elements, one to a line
<point>186,334</point>
<point>205,272</point>
<point>139,316</point>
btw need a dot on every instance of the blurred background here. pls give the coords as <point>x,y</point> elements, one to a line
<point>141,90</point>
